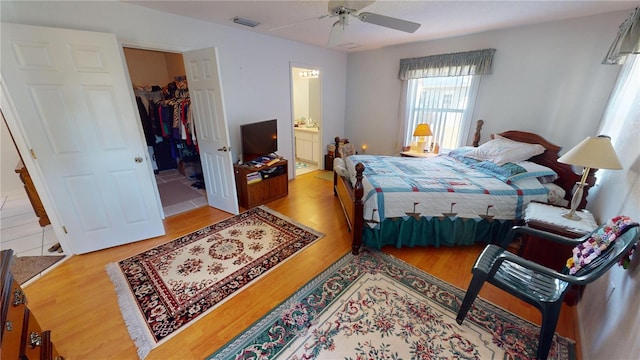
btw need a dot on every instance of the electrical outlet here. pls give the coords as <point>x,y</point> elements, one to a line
<point>609,292</point>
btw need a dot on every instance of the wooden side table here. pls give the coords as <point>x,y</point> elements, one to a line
<point>548,253</point>
<point>328,162</point>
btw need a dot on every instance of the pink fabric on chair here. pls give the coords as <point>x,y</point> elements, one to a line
<point>586,252</point>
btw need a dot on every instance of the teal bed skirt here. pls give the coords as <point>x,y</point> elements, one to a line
<point>410,232</point>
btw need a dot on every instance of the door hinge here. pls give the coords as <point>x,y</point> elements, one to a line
<point>33,154</point>
<point>64,228</point>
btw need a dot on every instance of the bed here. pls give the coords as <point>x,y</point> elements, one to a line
<point>452,199</point>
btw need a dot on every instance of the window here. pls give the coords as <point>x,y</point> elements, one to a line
<point>621,114</point>
<point>445,103</point>
<point>440,90</point>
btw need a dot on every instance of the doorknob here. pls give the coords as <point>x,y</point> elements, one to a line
<point>138,159</point>
<point>224,148</point>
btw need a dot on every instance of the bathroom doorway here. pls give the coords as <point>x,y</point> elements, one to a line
<point>307,118</point>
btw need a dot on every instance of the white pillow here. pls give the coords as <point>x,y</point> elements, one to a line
<point>501,150</point>
<point>339,167</point>
<point>346,150</point>
<point>544,174</point>
<point>556,195</point>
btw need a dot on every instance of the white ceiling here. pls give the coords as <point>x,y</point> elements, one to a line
<point>299,20</point>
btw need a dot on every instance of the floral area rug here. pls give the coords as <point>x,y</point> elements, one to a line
<point>164,289</point>
<point>374,306</point>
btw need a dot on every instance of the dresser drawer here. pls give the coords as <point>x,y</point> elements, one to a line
<point>32,342</point>
<point>22,336</point>
<point>14,323</point>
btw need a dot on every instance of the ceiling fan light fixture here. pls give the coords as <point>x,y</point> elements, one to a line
<point>344,20</point>
<point>245,22</point>
<point>349,46</point>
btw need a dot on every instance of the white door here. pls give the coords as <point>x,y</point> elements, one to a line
<point>72,104</point>
<point>205,90</point>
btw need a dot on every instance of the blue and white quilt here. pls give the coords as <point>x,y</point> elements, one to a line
<point>440,187</point>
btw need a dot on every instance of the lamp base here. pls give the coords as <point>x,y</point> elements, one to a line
<point>571,215</point>
<point>421,146</point>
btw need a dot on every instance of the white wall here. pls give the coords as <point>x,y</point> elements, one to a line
<point>611,327</point>
<point>300,96</point>
<point>546,79</point>
<point>254,68</point>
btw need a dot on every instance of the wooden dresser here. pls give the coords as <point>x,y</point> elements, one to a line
<point>21,337</point>
<point>271,182</point>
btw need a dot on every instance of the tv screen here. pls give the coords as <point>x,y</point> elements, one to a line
<point>259,139</point>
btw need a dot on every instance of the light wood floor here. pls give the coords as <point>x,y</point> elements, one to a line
<point>77,301</point>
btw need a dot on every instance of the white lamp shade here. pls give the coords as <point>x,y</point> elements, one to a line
<point>593,152</point>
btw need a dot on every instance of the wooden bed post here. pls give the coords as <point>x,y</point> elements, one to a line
<point>358,192</point>
<point>476,135</point>
<point>335,175</point>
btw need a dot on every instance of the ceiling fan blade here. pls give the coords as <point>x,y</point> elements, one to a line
<point>351,5</point>
<point>388,21</point>
<point>335,37</point>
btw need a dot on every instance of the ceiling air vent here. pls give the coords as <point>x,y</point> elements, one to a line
<point>245,22</point>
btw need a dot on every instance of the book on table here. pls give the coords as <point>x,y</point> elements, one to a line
<point>254,177</point>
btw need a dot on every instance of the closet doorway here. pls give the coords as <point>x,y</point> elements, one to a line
<point>162,96</point>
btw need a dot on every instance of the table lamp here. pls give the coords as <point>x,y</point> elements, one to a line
<point>591,153</point>
<point>421,131</point>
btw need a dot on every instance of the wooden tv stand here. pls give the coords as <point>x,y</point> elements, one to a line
<point>271,187</point>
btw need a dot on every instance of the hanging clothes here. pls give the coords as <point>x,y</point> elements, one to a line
<point>147,124</point>
<point>167,122</point>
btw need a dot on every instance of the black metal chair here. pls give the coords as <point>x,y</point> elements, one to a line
<point>538,285</point>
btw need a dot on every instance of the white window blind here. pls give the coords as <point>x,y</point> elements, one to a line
<point>445,103</point>
<point>440,90</point>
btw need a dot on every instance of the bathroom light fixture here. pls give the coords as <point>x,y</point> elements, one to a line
<point>309,74</point>
<point>245,22</point>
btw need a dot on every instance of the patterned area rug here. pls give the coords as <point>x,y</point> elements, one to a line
<point>162,290</point>
<point>374,306</point>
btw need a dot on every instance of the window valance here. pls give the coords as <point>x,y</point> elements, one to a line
<point>476,62</point>
<point>627,40</point>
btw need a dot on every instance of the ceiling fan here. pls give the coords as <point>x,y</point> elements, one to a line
<point>343,10</point>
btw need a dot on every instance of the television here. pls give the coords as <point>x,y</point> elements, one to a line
<point>259,139</point>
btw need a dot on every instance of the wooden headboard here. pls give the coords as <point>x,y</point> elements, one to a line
<point>567,177</point>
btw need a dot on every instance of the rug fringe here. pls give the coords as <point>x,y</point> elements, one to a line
<point>130,314</point>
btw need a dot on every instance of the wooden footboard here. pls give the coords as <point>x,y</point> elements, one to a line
<point>342,189</point>
<point>351,201</point>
